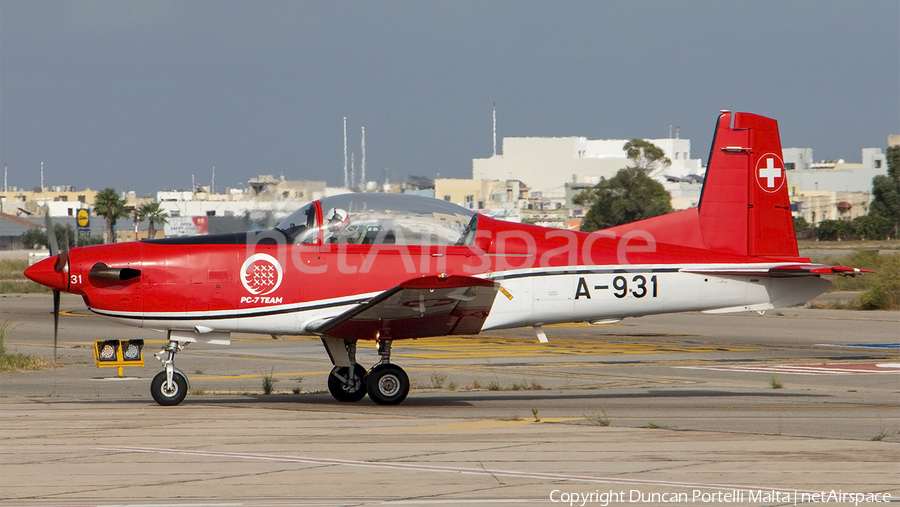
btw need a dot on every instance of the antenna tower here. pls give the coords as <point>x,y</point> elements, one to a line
<point>362,163</point>
<point>42,176</point>
<point>494,129</point>
<point>352,170</point>
<point>346,180</point>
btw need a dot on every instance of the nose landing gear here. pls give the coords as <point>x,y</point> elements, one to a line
<point>170,386</point>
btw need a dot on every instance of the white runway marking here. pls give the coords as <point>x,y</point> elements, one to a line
<point>453,470</point>
<point>789,369</point>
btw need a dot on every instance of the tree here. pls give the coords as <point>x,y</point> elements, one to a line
<point>628,196</point>
<point>802,228</point>
<point>871,227</point>
<point>65,234</point>
<point>34,238</point>
<point>886,192</point>
<point>646,156</point>
<point>108,204</point>
<point>154,215</point>
<point>831,230</point>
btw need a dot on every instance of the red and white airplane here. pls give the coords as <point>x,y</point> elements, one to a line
<point>388,267</point>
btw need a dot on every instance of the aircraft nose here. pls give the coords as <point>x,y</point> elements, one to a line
<point>45,273</point>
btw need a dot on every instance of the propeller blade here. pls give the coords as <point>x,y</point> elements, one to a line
<point>52,243</point>
<point>63,260</point>
<point>55,321</point>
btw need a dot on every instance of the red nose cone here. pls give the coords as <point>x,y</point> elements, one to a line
<point>44,273</point>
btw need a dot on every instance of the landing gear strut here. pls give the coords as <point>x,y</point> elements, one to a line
<point>170,386</point>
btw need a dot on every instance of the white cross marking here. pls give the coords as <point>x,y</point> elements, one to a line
<point>770,172</point>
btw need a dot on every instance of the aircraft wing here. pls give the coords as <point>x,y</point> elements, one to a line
<point>783,270</point>
<point>427,306</point>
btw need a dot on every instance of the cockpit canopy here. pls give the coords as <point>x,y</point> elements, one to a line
<point>381,219</point>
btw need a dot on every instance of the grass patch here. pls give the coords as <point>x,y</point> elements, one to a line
<point>879,291</point>
<point>452,386</point>
<point>534,412</point>
<point>774,383</point>
<point>16,362</point>
<point>268,382</point>
<point>652,426</point>
<point>882,435</point>
<point>13,280</point>
<point>598,419</point>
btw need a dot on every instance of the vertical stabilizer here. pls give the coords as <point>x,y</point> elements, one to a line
<point>745,208</point>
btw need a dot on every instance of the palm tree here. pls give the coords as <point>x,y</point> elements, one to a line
<point>150,211</point>
<point>108,204</point>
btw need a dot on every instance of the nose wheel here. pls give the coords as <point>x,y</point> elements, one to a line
<point>170,386</point>
<point>169,393</point>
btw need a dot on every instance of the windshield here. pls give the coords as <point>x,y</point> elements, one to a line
<point>395,219</point>
<point>300,225</point>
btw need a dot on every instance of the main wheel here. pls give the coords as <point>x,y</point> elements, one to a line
<point>171,396</point>
<point>388,384</point>
<point>341,392</point>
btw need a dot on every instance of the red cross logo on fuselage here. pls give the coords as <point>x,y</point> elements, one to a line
<point>770,173</point>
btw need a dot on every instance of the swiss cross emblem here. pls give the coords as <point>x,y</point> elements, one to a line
<point>770,172</point>
<point>261,274</point>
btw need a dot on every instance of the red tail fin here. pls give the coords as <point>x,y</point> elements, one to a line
<point>744,207</point>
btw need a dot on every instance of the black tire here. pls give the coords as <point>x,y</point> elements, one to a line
<point>342,393</point>
<point>166,398</point>
<point>388,384</point>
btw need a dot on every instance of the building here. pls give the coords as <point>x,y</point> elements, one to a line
<point>481,193</point>
<point>546,164</point>
<point>63,201</point>
<point>265,196</point>
<point>817,205</point>
<point>833,175</point>
<point>831,189</point>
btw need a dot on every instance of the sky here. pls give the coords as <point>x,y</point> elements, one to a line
<point>141,95</point>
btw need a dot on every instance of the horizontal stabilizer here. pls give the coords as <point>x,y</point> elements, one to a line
<point>427,306</point>
<point>783,271</point>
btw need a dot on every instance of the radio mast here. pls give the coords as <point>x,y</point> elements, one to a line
<point>362,164</point>
<point>346,176</point>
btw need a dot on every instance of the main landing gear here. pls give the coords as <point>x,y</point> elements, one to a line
<point>170,386</point>
<point>385,383</point>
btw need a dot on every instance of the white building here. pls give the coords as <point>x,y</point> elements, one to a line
<point>546,164</point>
<point>832,175</point>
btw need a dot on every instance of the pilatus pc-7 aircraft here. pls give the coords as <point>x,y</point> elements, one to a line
<point>388,267</point>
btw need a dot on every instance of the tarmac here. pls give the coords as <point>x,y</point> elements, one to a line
<point>794,406</point>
